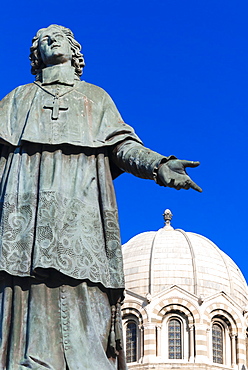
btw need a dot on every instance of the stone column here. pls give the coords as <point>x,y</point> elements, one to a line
<point>191,344</point>
<point>234,350</point>
<point>158,340</point>
<point>141,347</point>
<point>209,345</point>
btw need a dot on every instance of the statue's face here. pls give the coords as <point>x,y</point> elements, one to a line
<point>54,47</point>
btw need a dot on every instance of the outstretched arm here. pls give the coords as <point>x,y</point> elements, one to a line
<point>134,158</point>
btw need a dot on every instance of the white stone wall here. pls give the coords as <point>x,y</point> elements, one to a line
<point>198,315</point>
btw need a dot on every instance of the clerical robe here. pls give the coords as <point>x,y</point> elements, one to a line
<point>61,147</point>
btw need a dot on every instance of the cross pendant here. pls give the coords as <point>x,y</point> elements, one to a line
<point>55,106</point>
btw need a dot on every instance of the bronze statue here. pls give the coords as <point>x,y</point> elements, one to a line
<point>62,143</point>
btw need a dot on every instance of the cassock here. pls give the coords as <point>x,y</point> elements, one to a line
<point>63,142</point>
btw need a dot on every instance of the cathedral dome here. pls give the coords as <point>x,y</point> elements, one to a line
<point>157,260</point>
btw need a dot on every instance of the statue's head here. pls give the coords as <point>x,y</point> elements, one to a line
<point>55,45</point>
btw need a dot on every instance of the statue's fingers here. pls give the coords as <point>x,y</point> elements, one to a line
<point>171,184</point>
<point>192,164</point>
<point>194,186</point>
<point>186,186</point>
<point>176,184</point>
<point>182,185</point>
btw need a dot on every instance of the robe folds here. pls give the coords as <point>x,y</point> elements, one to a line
<point>58,207</point>
<point>57,324</point>
<point>61,147</point>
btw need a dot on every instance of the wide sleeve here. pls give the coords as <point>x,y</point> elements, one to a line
<point>132,157</point>
<point>111,128</point>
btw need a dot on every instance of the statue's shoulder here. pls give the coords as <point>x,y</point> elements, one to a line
<point>20,91</point>
<point>92,91</point>
<point>30,86</point>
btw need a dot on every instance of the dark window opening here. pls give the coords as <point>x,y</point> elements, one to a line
<point>175,339</point>
<point>131,342</point>
<point>217,342</point>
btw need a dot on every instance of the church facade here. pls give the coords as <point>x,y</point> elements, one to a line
<point>186,303</point>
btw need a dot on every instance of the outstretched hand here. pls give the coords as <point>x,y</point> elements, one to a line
<point>173,174</point>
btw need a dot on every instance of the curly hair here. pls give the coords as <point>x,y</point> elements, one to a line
<point>36,62</point>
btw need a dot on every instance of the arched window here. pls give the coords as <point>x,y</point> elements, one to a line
<point>131,341</point>
<point>217,343</point>
<point>174,339</point>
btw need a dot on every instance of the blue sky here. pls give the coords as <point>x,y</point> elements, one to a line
<point>177,71</point>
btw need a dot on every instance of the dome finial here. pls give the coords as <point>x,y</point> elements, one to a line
<point>167,218</point>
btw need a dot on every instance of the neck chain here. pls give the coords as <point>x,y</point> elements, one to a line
<point>56,95</point>
<point>55,106</point>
